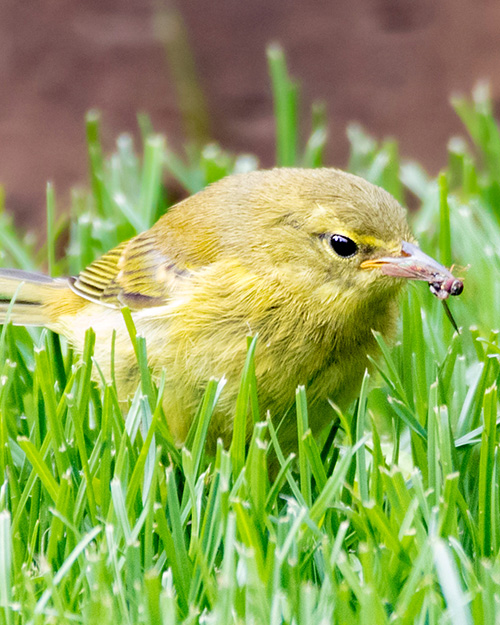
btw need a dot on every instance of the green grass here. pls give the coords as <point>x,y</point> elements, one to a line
<point>103,520</point>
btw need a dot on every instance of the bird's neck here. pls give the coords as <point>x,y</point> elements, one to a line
<point>342,319</point>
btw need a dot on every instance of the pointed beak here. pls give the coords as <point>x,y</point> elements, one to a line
<point>413,264</point>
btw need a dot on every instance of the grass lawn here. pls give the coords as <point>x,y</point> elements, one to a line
<point>103,520</point>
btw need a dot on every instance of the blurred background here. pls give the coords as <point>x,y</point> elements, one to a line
<point>199,70</point>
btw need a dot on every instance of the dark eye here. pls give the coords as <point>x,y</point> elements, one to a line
<point>343,246</point>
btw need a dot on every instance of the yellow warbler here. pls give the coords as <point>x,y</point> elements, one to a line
<point>312,260</point>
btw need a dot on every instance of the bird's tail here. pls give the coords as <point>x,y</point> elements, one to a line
<point>30,291</point>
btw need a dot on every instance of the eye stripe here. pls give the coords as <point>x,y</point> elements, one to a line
<point>371,241</point>
<point>368,239</point>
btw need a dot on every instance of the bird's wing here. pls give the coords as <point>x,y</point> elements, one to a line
<point>136,274</point>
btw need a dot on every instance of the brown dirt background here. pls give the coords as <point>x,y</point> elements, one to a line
<point>389,64</point>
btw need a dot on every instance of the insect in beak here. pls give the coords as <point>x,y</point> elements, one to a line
<point>413,264</point>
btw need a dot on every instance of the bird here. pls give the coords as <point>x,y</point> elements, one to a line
<point>311,261</point>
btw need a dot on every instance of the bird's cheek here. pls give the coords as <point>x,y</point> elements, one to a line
<point>376,282</point>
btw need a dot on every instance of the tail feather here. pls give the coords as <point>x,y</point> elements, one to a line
<point>31,292</point>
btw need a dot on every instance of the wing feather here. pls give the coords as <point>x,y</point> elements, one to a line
<point>136,273</point>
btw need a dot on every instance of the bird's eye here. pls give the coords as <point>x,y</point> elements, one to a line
<point>343,246</point>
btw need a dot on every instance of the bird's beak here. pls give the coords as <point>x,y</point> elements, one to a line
<point>413,264</point>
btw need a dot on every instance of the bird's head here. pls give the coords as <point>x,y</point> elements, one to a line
<point>333,231</point>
